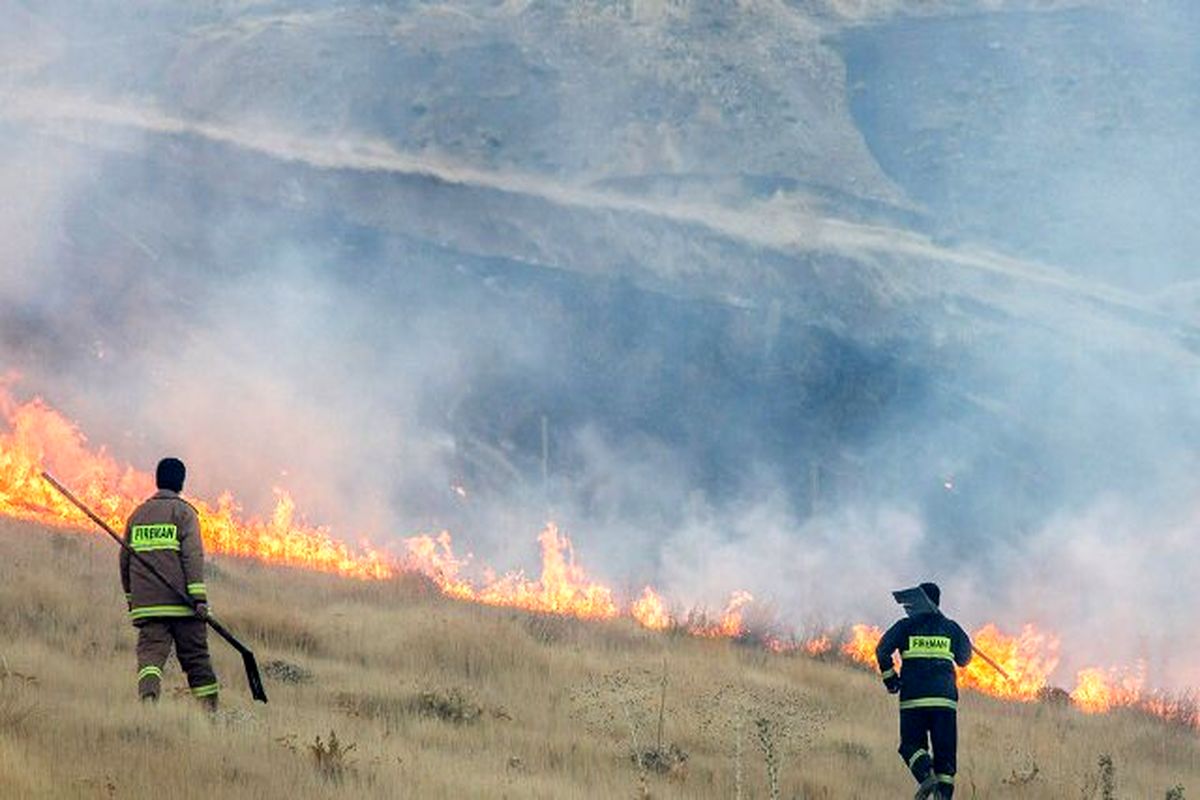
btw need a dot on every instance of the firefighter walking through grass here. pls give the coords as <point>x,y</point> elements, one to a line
<point>165,531</point>
<point>930,645</point>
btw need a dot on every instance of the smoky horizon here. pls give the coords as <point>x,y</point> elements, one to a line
<point>814,300</point>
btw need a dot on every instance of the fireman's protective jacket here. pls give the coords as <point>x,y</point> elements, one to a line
<point>930,645</point>
<point>165,531</point>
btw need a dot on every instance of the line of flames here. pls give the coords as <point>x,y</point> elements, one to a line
<point>39,438</point>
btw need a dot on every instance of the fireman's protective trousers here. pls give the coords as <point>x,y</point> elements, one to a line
<point>930,729</point>
<point>191,648</point>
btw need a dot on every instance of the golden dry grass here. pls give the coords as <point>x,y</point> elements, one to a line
<point>429,698</point>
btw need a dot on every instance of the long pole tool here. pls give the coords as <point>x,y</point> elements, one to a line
<point>915,601</point>
<point>248,660</point>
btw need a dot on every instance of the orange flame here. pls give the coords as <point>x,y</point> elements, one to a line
<point>1099,690</point>
<point>860,647</point>
<point>650,611</point>
<point>818,646</point>
<point>562,589</point>
<point>40,438</point>
<point>729,625</point>
<point>1029,658</point>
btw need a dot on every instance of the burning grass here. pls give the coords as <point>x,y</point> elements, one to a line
<point>39,438</point>
<point>449,700</point>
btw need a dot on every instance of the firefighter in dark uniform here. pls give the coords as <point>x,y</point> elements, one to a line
<point>930,645</point>
<point>165,531</point>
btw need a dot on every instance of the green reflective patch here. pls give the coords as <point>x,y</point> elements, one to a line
<point>154,537</point>
<point>206,690</point>
<point>928,647</point>
<point>196,588</point>
<point>148,671</point>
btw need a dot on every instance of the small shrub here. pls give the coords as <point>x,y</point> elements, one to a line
<point>670,760</point>
<point>287,672</point>
<point>331,759</point>
<point>1021,777</point>
<point>1054,696</point>
<point>1108,777</point>
<point>1175,792</point>
<point>767,730</point>
<point>781,721</point>
<point>450,705</point>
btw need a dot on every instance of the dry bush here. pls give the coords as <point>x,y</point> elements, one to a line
<point>631,704</point>
<point>1054,696</point>
<point>332,758</point>
<point>286,672</point>
<point>453,705</point>
<point>449,705</point>
<point>663,760</point>
<point>1103,782</point>
<point>782,722</point>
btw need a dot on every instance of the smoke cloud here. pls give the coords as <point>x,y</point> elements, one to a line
<point>766,306</point>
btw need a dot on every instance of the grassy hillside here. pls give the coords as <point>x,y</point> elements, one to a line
<point>432,699</point>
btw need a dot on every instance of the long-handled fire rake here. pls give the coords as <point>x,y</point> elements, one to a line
<point>915,601</point>
<point>248,660</point>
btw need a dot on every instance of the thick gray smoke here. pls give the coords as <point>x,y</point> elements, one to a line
<point>811,299</point>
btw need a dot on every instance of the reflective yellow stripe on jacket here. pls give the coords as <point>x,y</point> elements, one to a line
<point>162,611</point>
<point>928,702</point>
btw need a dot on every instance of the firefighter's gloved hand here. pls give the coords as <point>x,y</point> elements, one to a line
<point>892,682</point>
<point>202,610</point>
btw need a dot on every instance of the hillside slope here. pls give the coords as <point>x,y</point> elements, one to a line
<point>446,700</point>
<point>783,251</point>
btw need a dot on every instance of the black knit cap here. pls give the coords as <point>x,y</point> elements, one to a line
<point>170,474</point>
<point>932,591</point>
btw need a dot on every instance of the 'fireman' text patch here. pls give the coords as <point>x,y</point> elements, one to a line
<point>154,537</point>
<point>928,647</point>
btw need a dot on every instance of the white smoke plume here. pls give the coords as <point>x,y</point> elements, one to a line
<point>713,308</point>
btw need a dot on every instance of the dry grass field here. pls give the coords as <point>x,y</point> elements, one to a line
<point>388,690</point>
